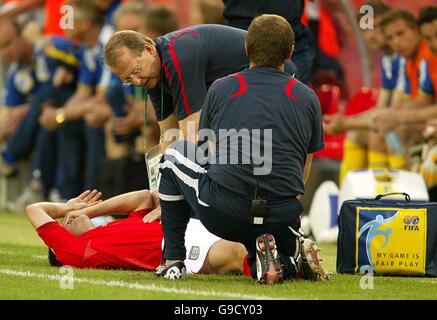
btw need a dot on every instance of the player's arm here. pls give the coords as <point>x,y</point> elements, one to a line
<point>409,112</point>
<point>169,128</point>
<point>43,212</point>
<point>190,127</point>
<point>11,117</point>
<point>316,142</point>
<point>134,119</point>
<point>51,118</point>
<point>124,203</point>
<point>307,168</point>
<point>74,108</point>
<point>384,98</point>
<point>410,116</point>
<point>89,85</point>
<point>165,115</point>
<point>339,123</point>
<point>21,7</point>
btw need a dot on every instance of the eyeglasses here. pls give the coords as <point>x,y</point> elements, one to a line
<point>136,73</point>
<point>132,76</point>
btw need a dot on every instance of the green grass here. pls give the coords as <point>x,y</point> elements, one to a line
<point>22,251</point>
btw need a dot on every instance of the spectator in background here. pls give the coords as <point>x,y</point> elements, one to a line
<point>207,12</point>
<point>428,27</point>
<point>159,20</point>
<point>126,112</point>
<point>421,64</point>
<point>363,148</point>
<point>15,52</point>
<point>403,35</point>
<point>69,119</point>
<point>125,170</point>
<point>390,66</point>
<point>55,63</point>
<point>108,8</point>
<point>240,13</point>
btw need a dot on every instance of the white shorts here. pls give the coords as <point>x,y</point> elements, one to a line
<point>198,241</point>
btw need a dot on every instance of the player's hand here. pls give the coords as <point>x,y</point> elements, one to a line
<point>97,116</point>
<point>430,131</point>
<point>62,77</point>
<point>125,125</point>
<point>85,200</point>
<point>4,130</point>
<point>153,215</point>
<point>10,121</point>
<point>16,115</point>
<point>384,119</point>
<point>48,118</point>
<point>334,124</point>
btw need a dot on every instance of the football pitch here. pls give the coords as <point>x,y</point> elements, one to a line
<point>26,274</point>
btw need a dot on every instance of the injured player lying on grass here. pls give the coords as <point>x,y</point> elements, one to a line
<point>132,243</point>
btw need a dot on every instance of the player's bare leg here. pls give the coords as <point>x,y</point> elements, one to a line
<point>224,257</point>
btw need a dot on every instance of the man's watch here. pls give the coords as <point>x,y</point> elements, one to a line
<point>60,116</point>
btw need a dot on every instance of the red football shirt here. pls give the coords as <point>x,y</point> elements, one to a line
<point>123,244</point>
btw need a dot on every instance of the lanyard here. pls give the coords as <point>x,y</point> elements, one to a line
<point>153,155</point>
<point>145,97</point>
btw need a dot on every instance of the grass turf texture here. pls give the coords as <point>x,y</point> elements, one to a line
<point>26,274</point>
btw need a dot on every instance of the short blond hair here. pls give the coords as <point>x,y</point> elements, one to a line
<point>132,40</point>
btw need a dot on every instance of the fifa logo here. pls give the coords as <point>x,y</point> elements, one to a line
<point>411,223</point>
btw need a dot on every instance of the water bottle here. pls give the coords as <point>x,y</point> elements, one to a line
<point>394,143</point>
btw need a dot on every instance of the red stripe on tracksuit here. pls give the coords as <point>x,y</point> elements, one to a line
<point>243,85</point>
<point>167,74</point>
<point>178,68</point>
<point>289,89</point>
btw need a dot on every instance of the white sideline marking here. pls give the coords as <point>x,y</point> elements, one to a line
<point>137,286</point>
<point>11,253</point>
<point>39,257</point>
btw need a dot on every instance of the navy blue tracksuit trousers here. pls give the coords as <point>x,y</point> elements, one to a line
<point>185,188</point>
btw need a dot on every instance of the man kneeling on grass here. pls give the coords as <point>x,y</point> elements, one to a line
<point>129,243</point>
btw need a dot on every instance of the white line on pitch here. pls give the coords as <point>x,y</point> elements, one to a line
<point>137,286</point>
<point>11,253</point>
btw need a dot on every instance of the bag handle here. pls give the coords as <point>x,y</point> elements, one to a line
<point>380,196</point>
